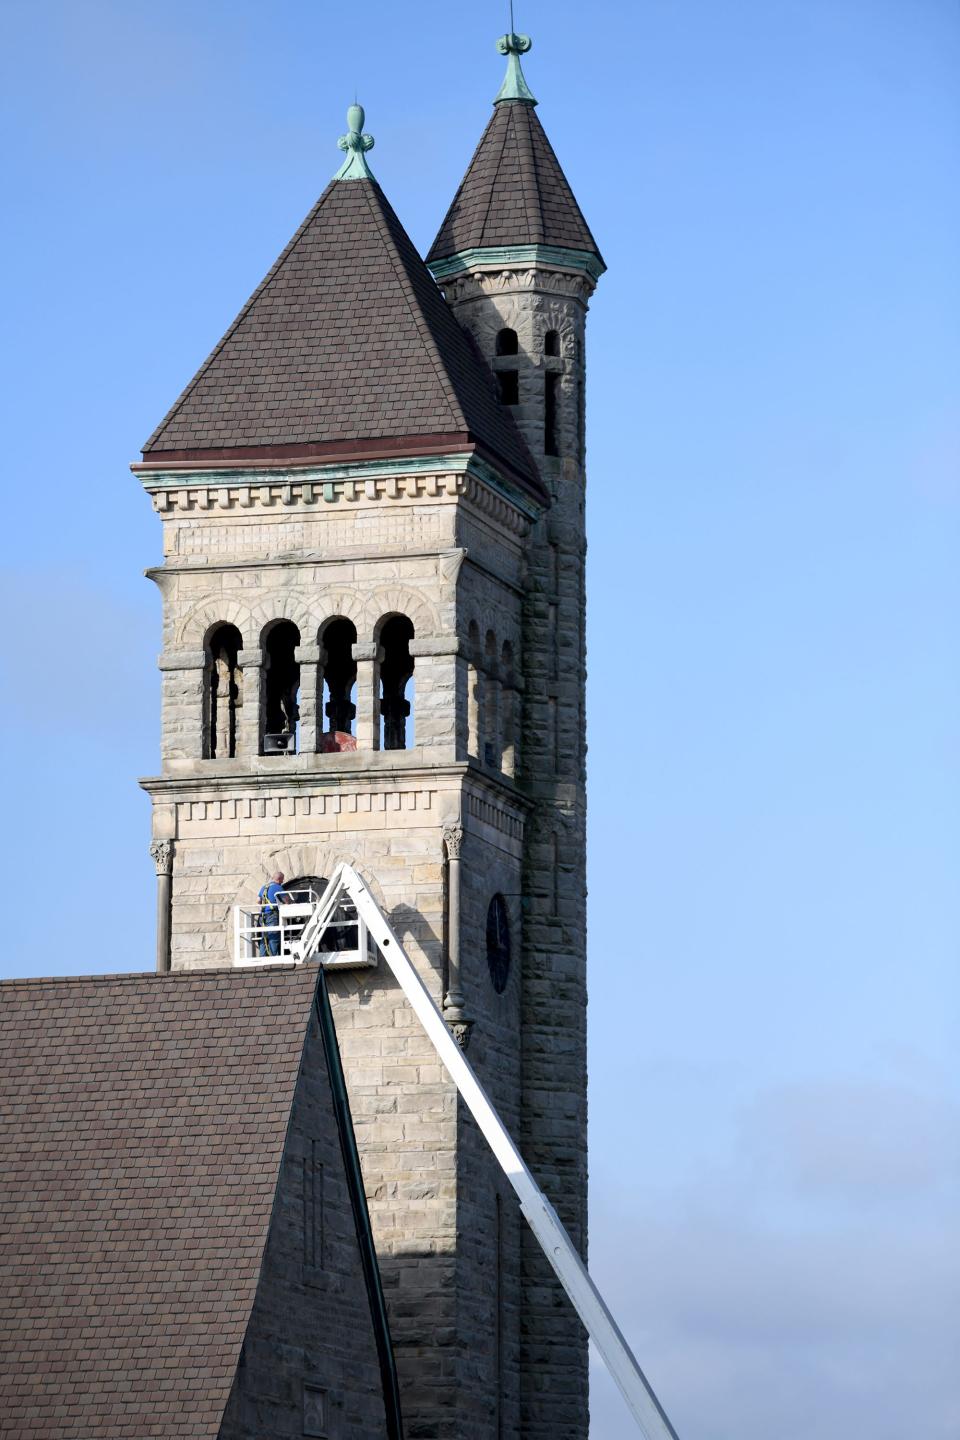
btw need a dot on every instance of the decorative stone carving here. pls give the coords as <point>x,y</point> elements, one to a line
<point>461,1032</point>
<point>449,563</point>
<point>453,840</point>
<point>481,283</point>
<point>162,853</point>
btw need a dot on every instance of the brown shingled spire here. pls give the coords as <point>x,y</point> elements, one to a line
<point>514,191</point>
<point>345,348</point>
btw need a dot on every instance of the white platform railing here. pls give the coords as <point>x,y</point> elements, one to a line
<point>271,934</point>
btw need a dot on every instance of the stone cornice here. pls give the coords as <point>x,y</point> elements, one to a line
<point>428,477</point>
<point>280,781</point>
<point>517,257</point>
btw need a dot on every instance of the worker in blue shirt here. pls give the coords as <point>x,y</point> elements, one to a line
<point>271,897</point>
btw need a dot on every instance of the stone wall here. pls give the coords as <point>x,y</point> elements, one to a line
<point>552,770</point>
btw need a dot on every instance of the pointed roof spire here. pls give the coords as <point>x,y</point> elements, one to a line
<point>514,204</point>
<point>346,350</point>
<point>356,144</point>
<point>514,85</point>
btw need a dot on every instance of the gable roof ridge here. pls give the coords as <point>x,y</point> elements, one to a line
<point>419,319</point>
<point>232,329</point>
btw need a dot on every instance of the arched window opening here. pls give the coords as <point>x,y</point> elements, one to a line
<point>491,717</point>
<point>396,684</point>
<point>339,702</point>
<point>551,343</point>
<point>507,343</point>
<point>551,397</point>
<point>281,701</point>
<point>341,939</point>
<point>498,943</point>
<point>224,693</point>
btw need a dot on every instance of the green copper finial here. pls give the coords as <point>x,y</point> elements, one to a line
<point>514,86</point>
<point>356,145</point>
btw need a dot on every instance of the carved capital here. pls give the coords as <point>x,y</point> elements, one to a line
<point>162,853</point>
<point>461,1032</point>
<point>453,840</point>
<point>449,563</point>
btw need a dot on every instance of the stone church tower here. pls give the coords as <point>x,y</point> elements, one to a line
<point>372,496</point>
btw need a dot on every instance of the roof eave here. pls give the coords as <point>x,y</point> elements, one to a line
<point>175,470</point>
<point>497,257</point>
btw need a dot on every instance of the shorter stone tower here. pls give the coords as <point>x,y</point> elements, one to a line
<point>373,652</point>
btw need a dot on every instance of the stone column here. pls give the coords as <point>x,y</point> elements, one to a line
<point>162,852</point>
<point>453,1001</point>
<point>308,658</point>
<point>248,728</point>
<point>437,707</point>
<point>184,718</point>
<point>368,655</point>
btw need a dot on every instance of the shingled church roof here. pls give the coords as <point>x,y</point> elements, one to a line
<point>142,1126</point>
<point>514,192</point>
<point>346,349</point>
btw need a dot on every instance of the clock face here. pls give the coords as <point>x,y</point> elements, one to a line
<point>498,943</point>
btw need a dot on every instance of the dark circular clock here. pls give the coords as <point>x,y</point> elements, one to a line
<point>498,943</point>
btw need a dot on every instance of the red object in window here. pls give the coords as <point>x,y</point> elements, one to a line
<point>333,740</point>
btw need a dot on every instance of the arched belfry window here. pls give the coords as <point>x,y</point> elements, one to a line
<point>223,693</point>
<point>498,943</point>
<point>508,705</point>
<point>551,343</point>
<point>508,378</point>
<point>396,683</point>
<point>339,706</point>
<point>342,937</point>
<point>281,693</point>
<point>491,703</point>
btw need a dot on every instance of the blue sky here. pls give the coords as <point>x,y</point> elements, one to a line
<point>774,584</point>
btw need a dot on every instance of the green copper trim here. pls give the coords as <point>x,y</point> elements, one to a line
<point>514,86</point>
<point>356,145</point>
<point>557,256</point>
<point>330,479</point>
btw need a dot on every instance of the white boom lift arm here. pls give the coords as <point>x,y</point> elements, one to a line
<point>346,884</point>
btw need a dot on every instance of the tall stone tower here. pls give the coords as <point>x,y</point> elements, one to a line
<point>518,264</point>
<point>372,505</point>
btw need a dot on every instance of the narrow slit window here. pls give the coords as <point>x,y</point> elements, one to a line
<point>551,343</point>
<point>550,399</point>
<point>508,382</point>
<point>507,343</point>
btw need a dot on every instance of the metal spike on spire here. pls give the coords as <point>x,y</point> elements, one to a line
<point>514,85</point>
<point>356,144</point>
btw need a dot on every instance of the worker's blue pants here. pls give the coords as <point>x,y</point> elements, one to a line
<point>269,944</point>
